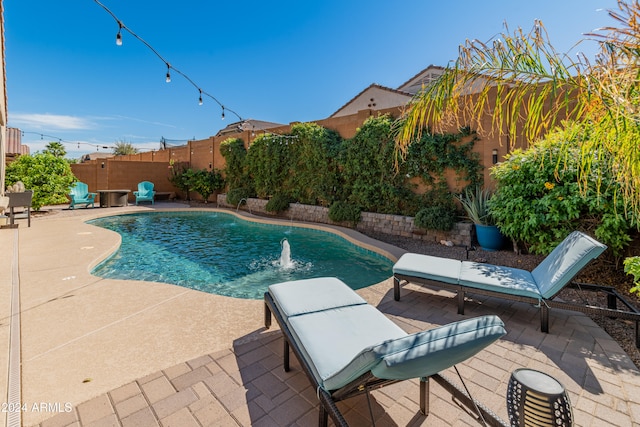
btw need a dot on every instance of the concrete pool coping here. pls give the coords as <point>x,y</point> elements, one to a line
<point>99,345</point>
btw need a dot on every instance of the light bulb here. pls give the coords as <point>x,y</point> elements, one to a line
<point>168,79</point>
<point>200,99</point>
<point>222,113</point>
<point>119,35</point>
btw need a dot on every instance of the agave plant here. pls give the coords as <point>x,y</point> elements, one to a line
<point>476,205</point>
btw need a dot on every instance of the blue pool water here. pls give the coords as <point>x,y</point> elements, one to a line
<point>222,254</point>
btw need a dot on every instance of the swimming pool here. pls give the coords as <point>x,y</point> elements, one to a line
<point>222,254</point>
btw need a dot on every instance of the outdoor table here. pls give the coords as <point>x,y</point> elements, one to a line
<point>111,198</point>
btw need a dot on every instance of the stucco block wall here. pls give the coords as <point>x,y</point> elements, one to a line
<point>112,174</point>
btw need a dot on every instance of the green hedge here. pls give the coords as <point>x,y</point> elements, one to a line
<point>314,165</point>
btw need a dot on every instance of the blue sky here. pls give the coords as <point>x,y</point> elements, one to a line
<point>279,61</point>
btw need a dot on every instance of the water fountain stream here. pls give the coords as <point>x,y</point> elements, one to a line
<point>285,255</point>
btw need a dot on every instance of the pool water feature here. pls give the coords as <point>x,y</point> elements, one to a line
<point>223,254</point>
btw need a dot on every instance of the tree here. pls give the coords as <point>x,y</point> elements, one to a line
<point>47,175</point>
<point>123,148</point>
<point>527,88</point>
<point>55,148</point>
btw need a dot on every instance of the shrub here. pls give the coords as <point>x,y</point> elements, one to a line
<point>235,155</point>
<point>314,170</point>
<point>180,176</point>
<point>539,199</point>
<point>268,161</point>
<point>206,182</point>
<point>235,195</point>
<point>371,179</point>
<point>436,217</point>
<point>277,203</point>
<point>632,266</point>
<point>47,175</point>
<point>341,211</point>
<point>439,212</point>
<point>433,154</point>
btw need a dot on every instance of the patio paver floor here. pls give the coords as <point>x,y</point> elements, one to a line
<point>230,372</point>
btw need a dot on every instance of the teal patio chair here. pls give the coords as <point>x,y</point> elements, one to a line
<point>145,192</point>
<point>79,195</point>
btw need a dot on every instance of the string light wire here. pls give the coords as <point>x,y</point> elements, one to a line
<point>170,67</point>
<point>62,141</point>
<point>79,143</point>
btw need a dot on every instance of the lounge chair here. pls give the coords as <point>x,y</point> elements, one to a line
<point>79,195</point>
<point>347,347</point>
<point>145,192</point>
<point>538,287</point>
<point>23,200</point>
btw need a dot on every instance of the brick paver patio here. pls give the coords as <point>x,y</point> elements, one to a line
<point>157,355</point>
<point>246,386</point>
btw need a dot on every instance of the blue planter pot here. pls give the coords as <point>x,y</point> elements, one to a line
<point>489,237</point>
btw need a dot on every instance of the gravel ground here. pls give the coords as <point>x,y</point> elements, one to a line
<point>601,271</point>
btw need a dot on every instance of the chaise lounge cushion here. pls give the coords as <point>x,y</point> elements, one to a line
<point>564,262</point>
<point>544,282</point>
<point>429,267</point>
<point>426,353</point>
<point>497,278</point>
<point>331,341</point>
<point>310,295</point>
<point>342,337</point>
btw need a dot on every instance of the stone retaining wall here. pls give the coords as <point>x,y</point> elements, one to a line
<point>396,225</point>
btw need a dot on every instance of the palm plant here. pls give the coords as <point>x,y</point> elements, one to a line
<point>522,87</point>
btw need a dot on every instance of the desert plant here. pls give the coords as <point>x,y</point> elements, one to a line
<point>475,203</point>
<point>123,148</point>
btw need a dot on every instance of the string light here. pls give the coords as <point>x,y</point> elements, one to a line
<point>121,27</point>
<point>119,35</point>
<point>78,143</point>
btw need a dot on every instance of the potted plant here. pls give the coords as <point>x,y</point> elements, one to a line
<point>476,206</point>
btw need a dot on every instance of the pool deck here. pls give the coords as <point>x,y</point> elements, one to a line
<point>102,352</point>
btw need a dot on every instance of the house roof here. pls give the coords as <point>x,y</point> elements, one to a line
<point>95,156</point>
<point>423,78</point>
<point>249,124</point>
<point>386,98</point>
